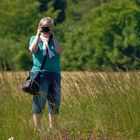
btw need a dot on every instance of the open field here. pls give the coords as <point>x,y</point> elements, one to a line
<point>94,106</point>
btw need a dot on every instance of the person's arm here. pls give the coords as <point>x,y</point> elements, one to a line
<point>34,45</point>
<point>57,46</point>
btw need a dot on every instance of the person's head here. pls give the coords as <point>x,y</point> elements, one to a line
<point>46,22</point>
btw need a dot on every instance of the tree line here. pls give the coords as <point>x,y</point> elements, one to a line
<point>95,34</point>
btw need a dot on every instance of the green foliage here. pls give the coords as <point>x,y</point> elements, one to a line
<point>26,64</point>
<point>7,50</point>
<point>108,38</point>
<point>17,17</point>
<point>76,10</point>
<point>95,34</point>
<point>54,5</point>
<point>18,20</point>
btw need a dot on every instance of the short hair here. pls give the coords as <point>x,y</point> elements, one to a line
<point>46,22</point>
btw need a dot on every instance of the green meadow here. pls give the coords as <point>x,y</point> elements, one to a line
<point>94,106</point>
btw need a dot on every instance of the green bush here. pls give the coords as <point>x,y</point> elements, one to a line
<point>108,38</point>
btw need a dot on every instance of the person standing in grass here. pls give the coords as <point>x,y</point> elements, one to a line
<point>45,43</point>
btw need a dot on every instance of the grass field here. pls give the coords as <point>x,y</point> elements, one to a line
<point>94,106</point>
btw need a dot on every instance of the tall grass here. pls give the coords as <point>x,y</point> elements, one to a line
<point>94,106</point>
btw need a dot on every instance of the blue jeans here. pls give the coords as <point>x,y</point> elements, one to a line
<point>50,90</point>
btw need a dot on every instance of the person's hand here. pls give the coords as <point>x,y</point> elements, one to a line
<point>39,30</point>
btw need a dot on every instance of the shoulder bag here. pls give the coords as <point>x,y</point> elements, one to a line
<point>32,85</point>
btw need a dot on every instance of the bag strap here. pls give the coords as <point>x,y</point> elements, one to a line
<point>41,65</point>
<point>43,62</point>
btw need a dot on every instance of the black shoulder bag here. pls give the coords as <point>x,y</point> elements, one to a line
<point>32,85</point>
